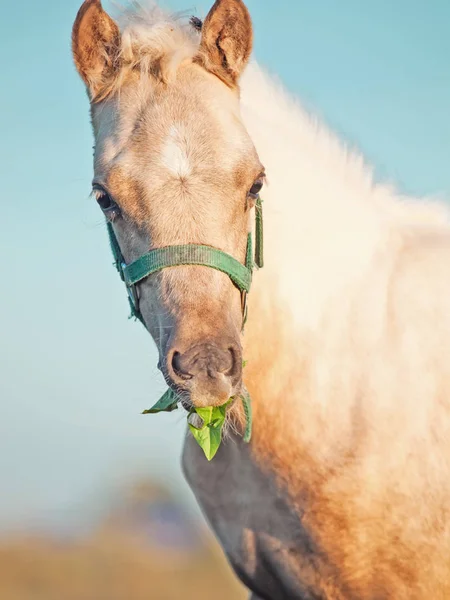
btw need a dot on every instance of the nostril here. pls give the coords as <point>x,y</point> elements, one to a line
<point>229,364</point>
<point>179,368</point>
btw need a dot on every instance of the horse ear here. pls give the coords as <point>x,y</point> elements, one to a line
<point>95,46</point>
<point>227,39</point>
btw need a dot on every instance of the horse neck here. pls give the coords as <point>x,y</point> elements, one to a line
<point>321,233</point>
<point>322,223</point>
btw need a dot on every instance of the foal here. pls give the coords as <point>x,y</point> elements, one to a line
<point>344,491</point>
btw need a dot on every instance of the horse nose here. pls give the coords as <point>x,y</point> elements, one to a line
<point>209,371</point>
<point>204,359</point>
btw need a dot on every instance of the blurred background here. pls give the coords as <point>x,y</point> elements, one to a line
<point>92,501</point>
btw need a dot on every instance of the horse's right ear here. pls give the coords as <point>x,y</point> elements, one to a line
<point>227,39</point>
<point>95,47</point>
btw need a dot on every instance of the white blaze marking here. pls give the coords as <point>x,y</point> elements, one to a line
<point>174,153</point>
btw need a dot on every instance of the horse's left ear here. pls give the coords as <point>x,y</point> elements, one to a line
<point>227,39</point>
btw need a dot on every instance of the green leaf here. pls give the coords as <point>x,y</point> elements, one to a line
<point>208,438</point>
<point>212,414</point>
<point>167,403</point>
<point>209,435</point>
<point>221,411</point>
<point>244,363</point>
<point>205,414</point>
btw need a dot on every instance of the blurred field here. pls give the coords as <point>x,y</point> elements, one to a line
<point>144,549</point>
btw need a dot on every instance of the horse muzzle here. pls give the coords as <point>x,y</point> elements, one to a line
<point>205,374</point>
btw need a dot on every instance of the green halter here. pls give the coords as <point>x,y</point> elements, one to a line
<point>189,254</point>
<point>193,254</point>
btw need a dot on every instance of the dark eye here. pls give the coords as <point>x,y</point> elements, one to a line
<point>256,188</point>
<point>106,203</point>
<point>104,200</point>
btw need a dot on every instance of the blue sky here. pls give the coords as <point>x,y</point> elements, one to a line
<point>74,373</point>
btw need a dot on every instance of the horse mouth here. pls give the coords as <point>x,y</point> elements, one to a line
<point>189,406</point>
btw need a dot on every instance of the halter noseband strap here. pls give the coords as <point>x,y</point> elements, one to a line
<point>190,254</point>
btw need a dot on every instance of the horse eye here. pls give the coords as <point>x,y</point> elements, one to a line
<point>256,188</point>
<point>104,201</point>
